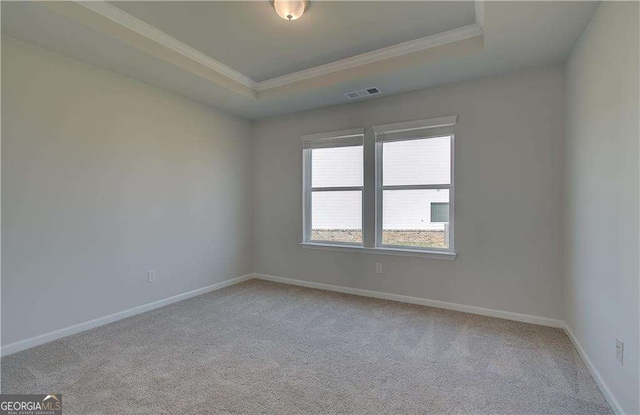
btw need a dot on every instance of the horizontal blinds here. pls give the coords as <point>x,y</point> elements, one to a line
<point>342,138</point>
<point>413,130</point>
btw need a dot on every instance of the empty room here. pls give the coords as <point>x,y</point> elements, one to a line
<point>320,207</point>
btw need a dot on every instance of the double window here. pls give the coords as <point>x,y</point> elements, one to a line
<point>403,189</point>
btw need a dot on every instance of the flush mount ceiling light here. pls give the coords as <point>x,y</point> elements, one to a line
<point>290,9</point>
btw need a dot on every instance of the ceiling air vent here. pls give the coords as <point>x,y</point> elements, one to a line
<point>361,93</point>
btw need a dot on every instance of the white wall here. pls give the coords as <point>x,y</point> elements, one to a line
<point>602,186</point>
<point>105,178</point>
<point>508,200</point>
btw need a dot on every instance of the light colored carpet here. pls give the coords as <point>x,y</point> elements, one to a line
<point>261,347</point>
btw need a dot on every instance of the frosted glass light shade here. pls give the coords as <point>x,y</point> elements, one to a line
<point>290,9</point>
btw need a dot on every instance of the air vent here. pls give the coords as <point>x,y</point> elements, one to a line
<point>361,93</point>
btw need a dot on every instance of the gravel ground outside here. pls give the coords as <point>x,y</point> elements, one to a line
<point>422,238</point>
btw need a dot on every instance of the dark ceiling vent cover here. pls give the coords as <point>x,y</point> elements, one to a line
<point>361,93</point>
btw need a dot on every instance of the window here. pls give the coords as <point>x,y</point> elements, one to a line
<point>411,178</point>
<point>334,181</point>
<point>415,189</point>
<point>439,212</point>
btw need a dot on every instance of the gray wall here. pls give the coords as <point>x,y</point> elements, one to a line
<point>508,195</point>
<point>602,185</point>
<point>105,178</point>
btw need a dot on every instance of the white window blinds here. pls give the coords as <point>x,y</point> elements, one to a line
<point>413,130</point>
<point>342,138</point>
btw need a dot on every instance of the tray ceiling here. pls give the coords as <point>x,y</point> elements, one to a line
<point>241,57</point>
<point>250,38</point>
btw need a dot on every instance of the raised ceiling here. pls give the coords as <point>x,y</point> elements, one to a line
<point>250,38</point>
<point>241,57</point>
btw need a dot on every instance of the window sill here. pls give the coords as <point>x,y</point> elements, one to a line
<point>381,251</point>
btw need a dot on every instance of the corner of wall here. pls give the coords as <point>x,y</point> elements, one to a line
<point>601,276</point>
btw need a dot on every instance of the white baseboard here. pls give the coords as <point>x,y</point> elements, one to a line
<point>608,394</point>
<point>101,321</point>
<point>542,321</point>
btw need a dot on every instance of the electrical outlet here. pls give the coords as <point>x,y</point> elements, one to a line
<point>620,351</point>
<point>152,275</point>
<point>378,268</point>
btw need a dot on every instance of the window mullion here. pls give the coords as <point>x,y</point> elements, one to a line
<point>368,174</point>
<point>378,192</point>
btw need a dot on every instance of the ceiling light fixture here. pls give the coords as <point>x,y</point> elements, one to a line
<point>290,9</point>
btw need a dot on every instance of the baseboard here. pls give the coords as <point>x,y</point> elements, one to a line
<point>608,394</point>
<point>542,321</point>
<point>101,321</point>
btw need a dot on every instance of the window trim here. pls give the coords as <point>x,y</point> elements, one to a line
<point>331,139</point>
<point>406,252</point>
<point>402,131</point>
<point>379,189</point>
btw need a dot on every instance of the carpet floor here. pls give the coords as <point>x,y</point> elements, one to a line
<point>262,347</point>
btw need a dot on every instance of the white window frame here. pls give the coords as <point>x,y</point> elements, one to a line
<point>331,139</point>
<point>372,244</point>
<point>414,130</point>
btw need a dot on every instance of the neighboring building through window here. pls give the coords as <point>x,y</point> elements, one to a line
<point>439,212</point>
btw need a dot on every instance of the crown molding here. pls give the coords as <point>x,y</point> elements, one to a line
<point>393,51</point>
<point>132,23</point>
<point>127,21</point>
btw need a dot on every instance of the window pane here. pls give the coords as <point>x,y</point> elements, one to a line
<point>336,216</point>
<point>426,161</point>
<point>439,212</point>
<point>336,167</point>
<point>408,218</point>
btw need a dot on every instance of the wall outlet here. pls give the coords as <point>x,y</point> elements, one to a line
<point>152,275</point>
<point>378,268</point>
<point>620,351</point>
